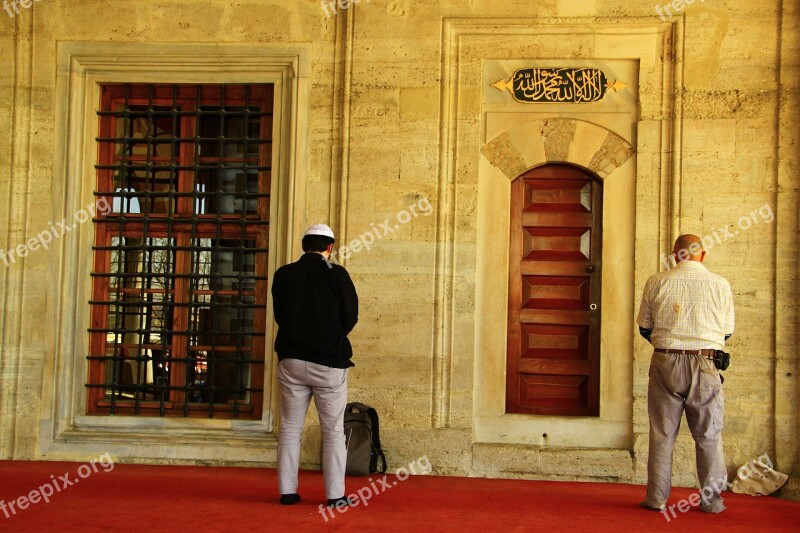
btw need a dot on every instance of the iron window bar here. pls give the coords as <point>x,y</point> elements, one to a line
<point>154,299</point>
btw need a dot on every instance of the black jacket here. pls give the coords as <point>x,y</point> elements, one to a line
<point>315,308</point>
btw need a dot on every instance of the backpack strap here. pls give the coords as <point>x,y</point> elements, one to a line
<point>376,437</point>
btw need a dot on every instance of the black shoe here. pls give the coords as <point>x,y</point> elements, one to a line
<point>344,501</point>
<point>289,499</point>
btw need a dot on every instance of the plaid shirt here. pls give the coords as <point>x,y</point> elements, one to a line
<point>688,308</point>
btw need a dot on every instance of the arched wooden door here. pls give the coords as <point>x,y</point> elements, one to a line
<point>553,365</point>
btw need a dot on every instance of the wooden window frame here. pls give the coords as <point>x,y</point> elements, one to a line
<point>183,225</point>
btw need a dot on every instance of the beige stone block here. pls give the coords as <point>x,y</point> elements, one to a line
<point>469,102</point>
<point>409,259</point>
<point>372,372</point>
<point>190,21</point>
<point>704,103</point>
<point>372,102</point>
<point>462,374</point>
<point>395,334</point>
<point>651,99</point>
<point>413,74</point>
<point>549,463</point>
<point>700,170</point>
<point>255,21</point>
<point>697,133</point>
<point>461,408</point>
<point>70,21</point>
<point>721,37</point>
<point>753,173</point>
<point>557,136</point>
<point>527,139</point>
<point>585,144</point>
<point>447,450</point>
<point>401,18</point>
<point>792,489</point>
<point>491,459</point>
<point>419,163</point>
<point>470,73</point>
<point>468,131</point>
<point>419,151</point>
<point>641,421</point>
<point>751,74</point>
<point>640,452</point>
<point>755,135</point>
<point>645,45</point>
<point>375,163</point>
<point>750,37</point>
<point>372,131</point>
<point>407,405</point>
<point>388,49</point>
<point>517,8</point>
<point>495,123</point>
<point>361,204</point>
<point>568,8</point>
<point>582,463</point>
<point>544,45</point>
<point>502,154</point>
<point>612,154</point>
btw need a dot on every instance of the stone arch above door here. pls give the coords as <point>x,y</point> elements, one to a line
<point>551,140</point>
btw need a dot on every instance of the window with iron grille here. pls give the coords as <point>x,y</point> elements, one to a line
<point>178,308</point>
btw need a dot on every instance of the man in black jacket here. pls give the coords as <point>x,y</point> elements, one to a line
<point>315,306</point>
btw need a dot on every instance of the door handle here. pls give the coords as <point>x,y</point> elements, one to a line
<point>590,269</point>
<point>592,307</point>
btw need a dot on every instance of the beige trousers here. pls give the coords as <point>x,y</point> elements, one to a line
<point>689,383</point>
<point>299,381</point>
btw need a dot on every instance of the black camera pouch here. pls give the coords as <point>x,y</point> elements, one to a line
<point>722,360</point>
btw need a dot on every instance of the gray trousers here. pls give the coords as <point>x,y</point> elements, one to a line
<point>690,383</point>
<point>299,381</point>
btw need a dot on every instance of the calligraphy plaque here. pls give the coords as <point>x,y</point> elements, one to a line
<point>558,85</point>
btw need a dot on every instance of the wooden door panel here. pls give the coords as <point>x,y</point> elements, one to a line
<point>556,367</point>
<point>558,220</point>
<point>557,195</point>
<point>551,268</point>
<point>555,244</point>
<point>552,394</point>
<point>554,341</point>
<point>553,316</point>
<point>554,290</point>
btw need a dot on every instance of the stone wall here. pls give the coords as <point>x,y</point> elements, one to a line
<point>396,116</point>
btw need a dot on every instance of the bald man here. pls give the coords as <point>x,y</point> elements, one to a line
<point>686,314</point>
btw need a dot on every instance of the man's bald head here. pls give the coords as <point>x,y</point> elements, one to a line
<point>688,247</point>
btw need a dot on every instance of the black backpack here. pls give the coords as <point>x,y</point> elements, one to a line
<point>362,435</point>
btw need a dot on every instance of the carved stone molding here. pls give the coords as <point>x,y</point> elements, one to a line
<point>555,140</point>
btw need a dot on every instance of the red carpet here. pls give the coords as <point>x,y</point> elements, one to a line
<point>177,498</point>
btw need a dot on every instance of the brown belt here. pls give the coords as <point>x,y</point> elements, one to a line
<point>706,353</point>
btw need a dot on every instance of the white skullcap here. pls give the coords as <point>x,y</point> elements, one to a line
<point>320,229</point>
